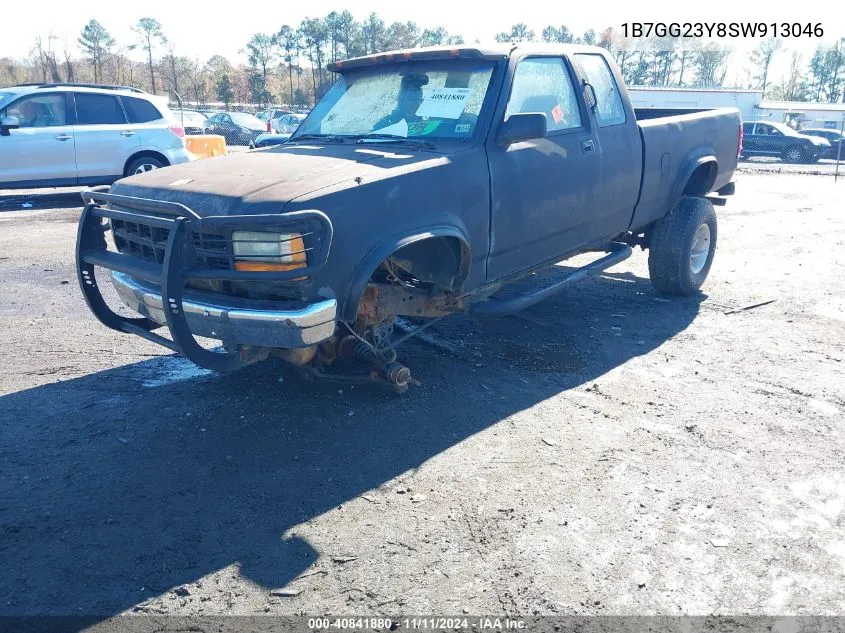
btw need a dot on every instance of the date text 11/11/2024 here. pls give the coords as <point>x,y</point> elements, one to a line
<point>418,623</point>
<point>722,29</point>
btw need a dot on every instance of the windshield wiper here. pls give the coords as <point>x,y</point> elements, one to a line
<point>393,138</point>
<point>329,138</point>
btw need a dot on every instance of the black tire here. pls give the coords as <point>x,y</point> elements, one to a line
<point>793,154</point>
<point>671,265</point>
<point>143,164</point>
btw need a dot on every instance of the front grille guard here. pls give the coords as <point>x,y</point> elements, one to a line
<point>179,263</point>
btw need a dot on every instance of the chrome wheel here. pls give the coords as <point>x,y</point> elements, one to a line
<point>145,167</point>
<point>700,249</point>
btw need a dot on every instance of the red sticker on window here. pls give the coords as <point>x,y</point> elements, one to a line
<point>557,113</point>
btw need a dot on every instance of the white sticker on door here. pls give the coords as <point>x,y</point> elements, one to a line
<point>444,103</point>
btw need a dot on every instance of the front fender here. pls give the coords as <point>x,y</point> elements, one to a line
<point>384,249</point>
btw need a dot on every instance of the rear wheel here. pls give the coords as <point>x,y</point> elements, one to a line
<point>682,247</point>
<point>144,164</point>
<point>793,154</point>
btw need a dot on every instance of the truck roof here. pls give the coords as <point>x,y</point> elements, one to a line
<point>477,51</point>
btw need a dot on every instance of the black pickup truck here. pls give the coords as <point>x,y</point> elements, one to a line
<point>421,184</point>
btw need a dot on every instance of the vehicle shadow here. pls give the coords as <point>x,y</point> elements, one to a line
<point>115,490</point>
<point>27,199</point>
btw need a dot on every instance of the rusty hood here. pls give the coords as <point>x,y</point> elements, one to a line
<point>268,179</point>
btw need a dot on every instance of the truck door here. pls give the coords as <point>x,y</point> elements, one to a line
<point>542,190</point>
<point>621,149</point>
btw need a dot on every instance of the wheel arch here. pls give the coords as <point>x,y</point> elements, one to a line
<point>696,177</point>
<point>435,237</point>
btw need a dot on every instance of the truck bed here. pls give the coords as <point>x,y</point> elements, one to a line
<point>675,142</point>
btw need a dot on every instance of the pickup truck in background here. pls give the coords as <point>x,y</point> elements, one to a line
<point>424,182</point>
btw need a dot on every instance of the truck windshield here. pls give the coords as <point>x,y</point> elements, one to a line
<point>434,99</point>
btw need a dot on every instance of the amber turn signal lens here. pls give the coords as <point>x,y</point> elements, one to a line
<point>253,267</point>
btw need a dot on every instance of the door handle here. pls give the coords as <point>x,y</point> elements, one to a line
<point>127,133</point>
<point>63,137</point>
<point>588,146</point>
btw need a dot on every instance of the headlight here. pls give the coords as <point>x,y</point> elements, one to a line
<point>257,251</point>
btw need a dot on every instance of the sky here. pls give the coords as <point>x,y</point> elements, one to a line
<point>197,29</point>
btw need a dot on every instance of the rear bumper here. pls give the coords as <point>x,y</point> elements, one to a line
<point>235,320</point>
<point>178,155</point>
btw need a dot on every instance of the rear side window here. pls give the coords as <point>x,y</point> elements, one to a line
<point>609,109</point>
<point>140,110</point>
<point>94,109</point>
<point>747,128</point>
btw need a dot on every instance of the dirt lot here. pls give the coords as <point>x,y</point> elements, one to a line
<point>606,452</point>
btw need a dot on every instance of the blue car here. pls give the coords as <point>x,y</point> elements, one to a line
<point>268,139</point>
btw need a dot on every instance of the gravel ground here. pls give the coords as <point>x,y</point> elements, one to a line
<point>764,164</point>
<point>608,451</point>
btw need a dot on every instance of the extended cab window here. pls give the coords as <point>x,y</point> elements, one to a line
<point>140,110</point>
<point>542,84</point>
<point>94,109</point>
<point>609,108</point>
<point>43,110</point>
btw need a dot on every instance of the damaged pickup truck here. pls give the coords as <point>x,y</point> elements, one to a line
<point>423,183</point>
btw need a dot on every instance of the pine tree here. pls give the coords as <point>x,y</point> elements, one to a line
<point>96,42</point>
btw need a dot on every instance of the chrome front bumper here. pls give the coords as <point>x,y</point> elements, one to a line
<point>234,320</point>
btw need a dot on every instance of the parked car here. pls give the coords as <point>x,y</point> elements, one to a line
<point>287,124</point>
<point>768,138</point>
<point>269,139</point>
<point>239,128</point>
<point>834,137</point>
<point>193,121</point>
<point>415,203</point>
<point>57,134</point>
<point>272,113</point>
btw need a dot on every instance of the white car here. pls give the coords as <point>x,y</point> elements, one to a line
<point>55,135</point>
<point>287,123</point>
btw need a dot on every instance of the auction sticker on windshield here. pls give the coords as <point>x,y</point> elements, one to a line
<point>444,103</point>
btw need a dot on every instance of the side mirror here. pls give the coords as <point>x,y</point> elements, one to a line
<point>9,123</point>
<point>522,127</point>
<point>590,95</point>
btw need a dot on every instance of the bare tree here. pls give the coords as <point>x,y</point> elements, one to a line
<point>762,58</point>
<point>711,65</point>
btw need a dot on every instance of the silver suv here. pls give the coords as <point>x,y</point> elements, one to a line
<point>54,135</point>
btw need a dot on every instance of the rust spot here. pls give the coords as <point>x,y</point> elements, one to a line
<point>368,313</point>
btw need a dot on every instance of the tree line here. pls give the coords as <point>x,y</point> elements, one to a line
<point>289,65</point>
